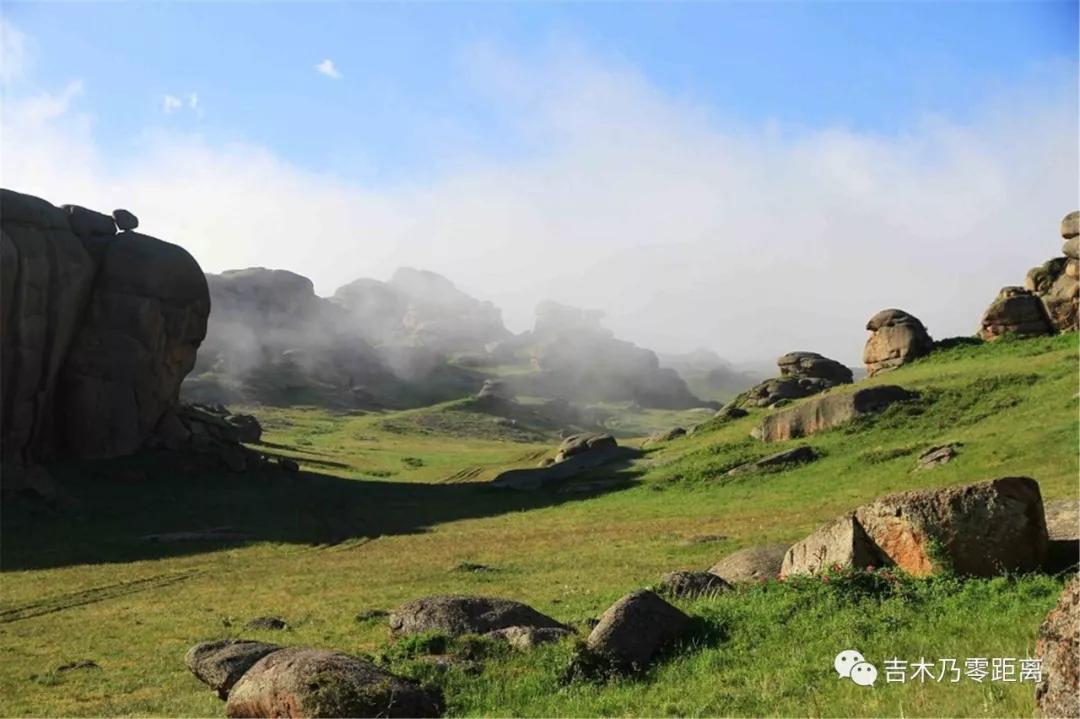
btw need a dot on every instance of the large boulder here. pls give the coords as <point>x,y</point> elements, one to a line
<point>1058,646</point>
<point>821,413</point>
<point>1016,311</point>
<point>751,564</point>
<point>634,628</point>
<point>1070,225</point>
<point>896,338</point>
<point>302,682</point>
<point>456,615</point>
<point>220,664</point>
<point>577,454</point>
<point>811,364</point>
<point>782,390</point>
<point>981,529</point>
<point>98,330</point>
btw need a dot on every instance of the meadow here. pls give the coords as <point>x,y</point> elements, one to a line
<point>393,506</point>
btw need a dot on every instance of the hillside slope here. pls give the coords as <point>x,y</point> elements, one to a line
<point>378,518</point>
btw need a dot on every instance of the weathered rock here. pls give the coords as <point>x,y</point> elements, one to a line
<point>1063,530</point>
<point>289,465</point>
<point>896,338</point>
<point>811,364</point>
<point>821,413</point>
<point>840,542</point>
<point>47,278</point>
<point>981,529</point>
<point>782,390</point>
<point>664,436</point>
<point>529,637</point>
<point>1071,248</point>
<point>274,623</point>
<point>1070,225</point>
<point>684,583</point>
<point>752,564</point>
<point>577,444</point>
<point>456,615</point>
<point>1015,311</point>
<point>247,427</point>
<point>730,411</point>
<point>1058,646</point>
<point>125,220</point>
<point>302,682</point>
<point>937,456</point>
<point>634,628</point>
<point>87,223</point>
<point>220,664</point>
<point>795,455</point>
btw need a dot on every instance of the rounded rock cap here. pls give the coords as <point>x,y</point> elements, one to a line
<point>125,220</point>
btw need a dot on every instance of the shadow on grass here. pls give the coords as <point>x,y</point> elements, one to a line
<point>118,510</point>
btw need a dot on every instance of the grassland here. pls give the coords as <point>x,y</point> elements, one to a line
<point>379,516</point>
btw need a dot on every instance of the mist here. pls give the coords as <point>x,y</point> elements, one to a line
<point>683,228</point>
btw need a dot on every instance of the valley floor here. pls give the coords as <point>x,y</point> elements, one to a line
<point>385,512</point>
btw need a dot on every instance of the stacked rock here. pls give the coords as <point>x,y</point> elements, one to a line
<point>896,338</point>
<point>801,374</point>
<point>1047,303</point>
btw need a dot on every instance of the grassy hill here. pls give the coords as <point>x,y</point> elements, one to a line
<point>389,508</point>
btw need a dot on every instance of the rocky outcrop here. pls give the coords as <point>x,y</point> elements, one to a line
<point>795,455</point>
<point>752,564</point>
<point>1058,646</point>
<point>456,615</point>
<point>1057,281</point>
<point>896,338</point>
<point>802,374</point>
<point>220,664</point>
<point>1016,311</point>
<point>981,529</point>
<point>578,453</point>
<point>98,330</point>
<point>302,682</point>
<point>821,413</point>
<point>634,628</point>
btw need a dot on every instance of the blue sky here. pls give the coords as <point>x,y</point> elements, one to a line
<point>646,159</point>
<point>405,82</point>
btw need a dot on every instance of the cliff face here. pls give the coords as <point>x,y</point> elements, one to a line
<point>97,330</point>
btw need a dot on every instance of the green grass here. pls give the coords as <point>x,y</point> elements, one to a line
<point>379,517</point>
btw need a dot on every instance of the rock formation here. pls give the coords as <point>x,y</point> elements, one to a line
<point>1016,311</point>
<point>577,453</point>
<point>220,664</point>
<point>821,413</point>
<point>896,338</point>
<point>980,529</point>
<point>802,374</point>
<point>1048,301</point>
<point>98,329</point>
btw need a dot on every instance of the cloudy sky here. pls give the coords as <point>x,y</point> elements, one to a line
<point>751,178</point>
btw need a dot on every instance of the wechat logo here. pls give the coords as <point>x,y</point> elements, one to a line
<point>850,664</point>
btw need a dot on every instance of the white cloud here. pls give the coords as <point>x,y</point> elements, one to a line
<point>326,67</point>
<point>14,54</point>
<point>683,230</point>
<point>170,104</point>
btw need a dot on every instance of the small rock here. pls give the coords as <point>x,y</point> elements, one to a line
<point>752,564</point>
<point>935,456</point>
<point>634,628</point>
<point>730,411</point>
<point>666,436</point>
<point>529,637</point>
<point>220,664</point>
<point>369,614</point>
<point>303,682</point>
<point>473,568</point>
<point>289,465</point>
<point>125,220</point>
<point>692,584</point>
<point>267,623</point>
<point>84,664</point>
